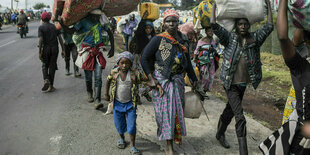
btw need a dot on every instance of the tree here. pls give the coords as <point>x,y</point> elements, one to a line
<point>47,6</point>
<point>39,6</point>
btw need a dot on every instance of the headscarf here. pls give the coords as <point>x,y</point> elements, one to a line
<point>124,54</point>
<point>45,16</point>
<point>171,12</point>
<point>149,23</point>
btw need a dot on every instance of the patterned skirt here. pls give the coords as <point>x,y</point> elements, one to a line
<point>168,109</point>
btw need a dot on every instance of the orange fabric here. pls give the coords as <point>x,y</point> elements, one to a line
<point>177,131</point>
<point>174,41</point>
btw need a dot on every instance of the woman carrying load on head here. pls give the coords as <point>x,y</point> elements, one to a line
<point>164,61</point>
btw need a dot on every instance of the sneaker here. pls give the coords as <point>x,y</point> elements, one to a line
<point>77,74</point>
<point>51,88</point>
<point>46,85</point>
<point>98,106</point>
<point>67,72</point>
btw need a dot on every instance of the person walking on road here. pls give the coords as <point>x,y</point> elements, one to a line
<point>124,81</point>
<point>70,48</point>
<point>206,58</point>
<point>88,38</point>
<point>128,30</point>
<point>241,66</point>
<point>164,61</point>
<point>48,51</point>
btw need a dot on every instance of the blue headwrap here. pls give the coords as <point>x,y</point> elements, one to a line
<point>149,23</point>
<point>125,54</point>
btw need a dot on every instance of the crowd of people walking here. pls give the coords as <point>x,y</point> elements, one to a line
<point>158,65</point>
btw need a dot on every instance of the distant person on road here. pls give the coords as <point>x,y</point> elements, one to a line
<point>128,30</point>
<point>241,66</point>
<point>48,51</point>
<point>88,38</point>
<point>206,58</point>
<point>70,48</point>
<point>22,20</point>
<point>124,81</point>
<point>14,18</point>
<point>1,21</point>
<point>294,135</point>
<point>165,60</point>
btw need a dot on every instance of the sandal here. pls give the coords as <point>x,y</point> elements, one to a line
<point>134,151</point>
<point>121,143</point>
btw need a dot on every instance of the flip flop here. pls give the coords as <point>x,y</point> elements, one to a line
<point>121,143</point>
<point>134,151</point>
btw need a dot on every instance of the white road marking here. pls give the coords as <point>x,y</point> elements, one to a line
<point>8,43</point>
<point>54,145</point>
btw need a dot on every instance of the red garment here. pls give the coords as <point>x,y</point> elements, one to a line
<point>94,52</point>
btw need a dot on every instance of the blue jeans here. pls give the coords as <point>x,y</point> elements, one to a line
<point>98,80</point>
<point>127,38</point>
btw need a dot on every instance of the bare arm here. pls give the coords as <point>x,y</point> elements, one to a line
<point>62,45</point>
<point>107,89</point>
<point>269,14</point>
<point>298,37</point>
<point>286,44</point>
<point>213,17</point>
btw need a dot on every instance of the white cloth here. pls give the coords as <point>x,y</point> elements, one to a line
<point>123,89</point>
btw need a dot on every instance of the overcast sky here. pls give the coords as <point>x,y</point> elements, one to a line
<point>22,5</point>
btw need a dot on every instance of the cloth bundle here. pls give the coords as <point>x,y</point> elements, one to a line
<point>72,11</point>
<point>203,13</point>
<point>299,13</point>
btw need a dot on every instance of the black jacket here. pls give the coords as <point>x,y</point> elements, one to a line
<point>141,38</point>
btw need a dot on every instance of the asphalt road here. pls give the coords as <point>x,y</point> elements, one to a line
<point>61,122</point>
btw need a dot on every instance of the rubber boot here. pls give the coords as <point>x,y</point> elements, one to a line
<point>76,71</point>
<point>243,147</point>
<point>220,135</point>
<point>98,103</point>
<point>67,68</point>
<point>90,98</point>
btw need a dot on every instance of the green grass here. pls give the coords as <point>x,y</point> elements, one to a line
<point>276,74</point>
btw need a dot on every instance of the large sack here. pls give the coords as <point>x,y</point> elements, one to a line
<point>75,10</point>
<point>253,10</point>
<point>119,7</point>
<point>192,107</point>
<point>57,8</point>
<point>299,12</point>
<point>228,24</point>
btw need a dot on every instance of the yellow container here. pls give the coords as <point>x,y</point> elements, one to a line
<point>152,8</point>
<point>186,78</point>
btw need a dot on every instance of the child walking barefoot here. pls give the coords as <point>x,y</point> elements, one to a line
<point>124,83</point>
